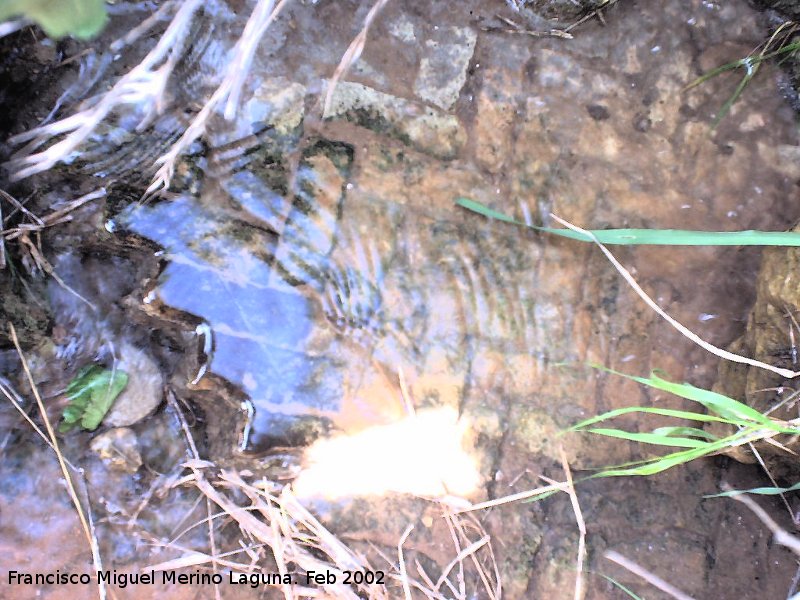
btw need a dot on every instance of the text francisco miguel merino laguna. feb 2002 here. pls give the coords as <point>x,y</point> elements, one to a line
<point>123,579</point>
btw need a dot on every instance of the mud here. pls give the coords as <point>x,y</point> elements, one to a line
<point>315,273</point>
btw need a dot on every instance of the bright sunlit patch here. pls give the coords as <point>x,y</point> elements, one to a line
<point>422,454</point>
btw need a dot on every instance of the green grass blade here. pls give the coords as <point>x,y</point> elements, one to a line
<point>714,72</point>
<point>664,412</point>
<point>621,587</point>
<point>663,237</point>
<point>792,47</point>
<point>541,496</point>
<point>650,438</point>
<point>686,432</point>
<point>484,210</point>
<point>720,404</point>
<point>763,491</point>
<point>752,69</point>
<point>658,464</point>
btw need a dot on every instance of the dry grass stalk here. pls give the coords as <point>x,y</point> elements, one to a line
<point>516,28</point>
<point>196,456</point>
<point>62,215</point>
<point>682,329</point>
<point>649,577</point>
<point>295,537</point>
<point>401,558</point>
<point>460,592</point>
<point>766,470</point>
<point>22,234</point>
<point>467,549</point>
<point>288,529</point>
<point>351,55</point>
<point>597,12</point>
<point>580,584</point>
<point>18,207</point>
<point>781,536</point>
<point>16,401</point>
<point>88,528</point>
<point>555,487</point>
<point>458,524</point>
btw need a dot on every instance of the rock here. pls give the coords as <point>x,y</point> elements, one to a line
<point>144,391</point>
<point>771,337</point>
<point>436,133</point>
<point>119,449</point>
<point>279,102</point>
<point>443,71</point>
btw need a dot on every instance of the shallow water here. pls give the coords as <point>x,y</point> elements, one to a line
<point>328,256</point>
<point>333,270</point>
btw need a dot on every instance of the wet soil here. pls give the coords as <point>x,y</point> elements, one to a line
<point>309,281</point>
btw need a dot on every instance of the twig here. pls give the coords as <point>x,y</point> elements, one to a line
<point>685,331</point>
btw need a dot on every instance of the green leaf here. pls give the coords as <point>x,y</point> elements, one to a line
<point>662,463</point>
<point>722,405</point>
<point>685,431</point>
<point>651,438</point>
<point>664,237</point>
<point>82,19</point>
<point>665,412</point>
<point>750,64</point>
<point>92,393</point>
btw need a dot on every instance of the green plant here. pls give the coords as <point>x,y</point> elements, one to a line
<point>750,425</point>
<point>91,394</point>
<point>751,63</point>
<point>82,19</point>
